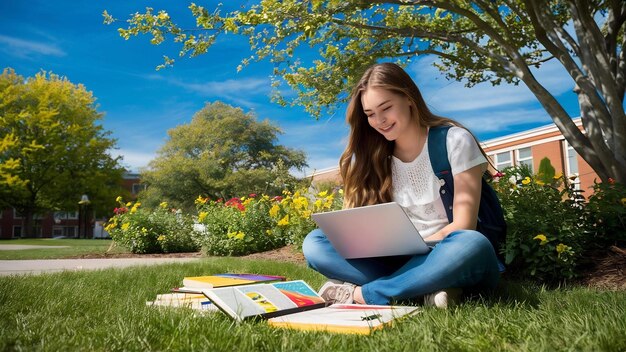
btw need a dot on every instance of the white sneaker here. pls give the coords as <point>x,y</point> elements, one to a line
<point>334,292</point>
<point>444,298</point>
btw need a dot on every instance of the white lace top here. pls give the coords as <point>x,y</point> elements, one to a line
<point>416,188</point>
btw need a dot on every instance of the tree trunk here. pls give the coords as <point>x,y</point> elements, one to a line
<point>27,223</point>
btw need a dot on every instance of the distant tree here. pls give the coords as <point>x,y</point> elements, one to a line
<point>477,41</point>
<point>546,171</point>
<point>52,149</point>
<point>222,153</point>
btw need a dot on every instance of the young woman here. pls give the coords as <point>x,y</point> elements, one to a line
<point>387,159</point>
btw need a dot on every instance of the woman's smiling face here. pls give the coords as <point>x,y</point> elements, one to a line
<point>387,112</point>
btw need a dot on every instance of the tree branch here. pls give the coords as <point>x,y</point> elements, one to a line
<point>415,32</point>
<point>614,22</point>
<point>612,123</point>
<point>620,77</point>
<point>495,15</point>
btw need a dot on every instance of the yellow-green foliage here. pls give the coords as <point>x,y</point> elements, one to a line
<point>259,222</point>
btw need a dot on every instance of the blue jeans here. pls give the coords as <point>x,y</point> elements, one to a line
<point>463,259</point>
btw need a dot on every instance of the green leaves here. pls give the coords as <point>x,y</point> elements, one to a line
<point>475,42</point>
<point>52,148</point>
<point>221,153</point>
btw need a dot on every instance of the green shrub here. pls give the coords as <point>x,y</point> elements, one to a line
<point>546,228</point>
<point>258,223</point>
<point>293,212</point>
<point>606,214</point>
<point>143,230</point>
<point>238,226</point>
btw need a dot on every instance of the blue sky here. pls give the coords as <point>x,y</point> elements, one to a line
<point>140,104</point>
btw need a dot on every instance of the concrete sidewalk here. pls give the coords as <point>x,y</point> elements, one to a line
<point>17,267</point>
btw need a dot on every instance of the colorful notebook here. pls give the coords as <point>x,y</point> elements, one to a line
<point>295,305</point>
<point>197,283</point>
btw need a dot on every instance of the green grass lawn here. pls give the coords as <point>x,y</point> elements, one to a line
<point>75,248</point>
<point>106,310</point>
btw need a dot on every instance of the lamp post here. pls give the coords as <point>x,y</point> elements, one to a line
<point>83,220</point>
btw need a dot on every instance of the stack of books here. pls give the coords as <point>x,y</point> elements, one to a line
<point>285,304</point>
<point>190,295</point>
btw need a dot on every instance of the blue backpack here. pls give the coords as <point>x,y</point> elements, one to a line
<point>490,216</point>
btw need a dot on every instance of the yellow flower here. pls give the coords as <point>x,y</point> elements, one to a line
<point>322,194</point>
<point>284,221</point>
<point>301,202</point>
<point>341,191</point>
<point>133,210</point>
<point>125,226</point>
<point>163,205</point>
<point>238,235</point>
<point>129,204</point>
<point>318,204</point>
<point>266,197</point>
<point>623,201</point>
<point>268,232</point>
<point>200,200</point>
<point>144,230</point>
<point>202,216</point>
<point>306,214</point>
<point>118,199</point>
<point>274,210</point>
<point>539,182</point>
<point>526,180</point>
<point>542,238</point>
<point>161,238</point>
<point>329,202</point>
<point>560,248</point>
<point>111,226</point>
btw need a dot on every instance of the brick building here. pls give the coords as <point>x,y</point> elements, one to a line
<point>526,147</point>
<point>77,222</point>
<point>529,147</point>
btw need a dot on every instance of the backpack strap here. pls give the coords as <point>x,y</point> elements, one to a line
<point>494,226</point>
<point>438,154</point>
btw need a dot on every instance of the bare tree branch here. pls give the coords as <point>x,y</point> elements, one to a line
<point>495,15</point>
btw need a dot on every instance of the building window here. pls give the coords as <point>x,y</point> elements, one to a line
<point>17,231</point>
<point>502,160</point>
<point>138,187</point>
<point>65,231</point>
<point>525,157</point>
<point>17,215</point>
<point>572,160</point>
<point>65,215</point>
<point>572,165</point>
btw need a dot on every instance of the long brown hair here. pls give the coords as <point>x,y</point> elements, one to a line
<point>365,165</point>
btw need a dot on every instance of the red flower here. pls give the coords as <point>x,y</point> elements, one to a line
<point>252,195</point>
<point>498,174</point>
<point>119,211</point>
<point>235,203</point>
<point>611,181</point>
<point>277,198</point>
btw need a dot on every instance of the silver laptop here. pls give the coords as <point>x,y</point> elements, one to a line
<point>371,231</point>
